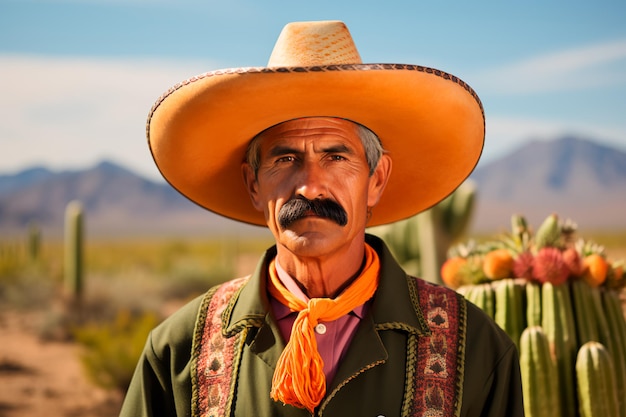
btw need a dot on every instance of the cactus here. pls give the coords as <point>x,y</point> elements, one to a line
<point>595,376</point>
<point>440,226</point>
<point>519,231</point>
<point>401,238</point>
<point>549,233</point>
<point>558,324</point>
<point>483,297</point>
<point>609,337</point>
<point>34,242</point>
<point>539,375</point>
<point>509,305</point>
<point>74,249</point>
<point>420,243</point>
<point>571,291</point>
<point>586,322</point>
<point>533,304</point>
<point>617,332</point>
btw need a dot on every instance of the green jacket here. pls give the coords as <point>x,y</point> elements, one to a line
<point>371,381</point>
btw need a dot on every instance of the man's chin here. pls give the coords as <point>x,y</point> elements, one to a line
<point>309,242</point>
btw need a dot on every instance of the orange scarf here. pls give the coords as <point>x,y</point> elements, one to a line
<point>299,377</point>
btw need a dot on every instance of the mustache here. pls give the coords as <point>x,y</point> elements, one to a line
<point>299,207</point>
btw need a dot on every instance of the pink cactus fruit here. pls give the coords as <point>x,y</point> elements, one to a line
<point>550,267</point>
<point>523,265</point>
<point>574,262</point>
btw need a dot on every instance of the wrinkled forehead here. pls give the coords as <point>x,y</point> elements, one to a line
<point>312,128</point>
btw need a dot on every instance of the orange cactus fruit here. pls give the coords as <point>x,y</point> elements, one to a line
<point>595,269</point>
<point>451,272</point>
<point>498,264</point>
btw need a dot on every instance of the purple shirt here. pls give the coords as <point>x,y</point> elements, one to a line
<point>333,337</point>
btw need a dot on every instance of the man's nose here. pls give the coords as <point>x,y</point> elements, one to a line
<point>311,181</point>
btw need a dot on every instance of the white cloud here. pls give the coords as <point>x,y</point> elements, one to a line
<point>71,112</point>
<point>586,67</point>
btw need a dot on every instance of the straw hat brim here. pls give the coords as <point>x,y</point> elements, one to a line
<point>430,122</point>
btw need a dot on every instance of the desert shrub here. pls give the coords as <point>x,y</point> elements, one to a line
<point>111,350</point>
<point>188,277</point>
<point>12,260</point>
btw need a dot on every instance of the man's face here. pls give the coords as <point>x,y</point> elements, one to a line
<point>319,160</point>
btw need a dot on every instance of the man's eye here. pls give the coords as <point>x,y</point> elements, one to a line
<point>287,158</point>
<point>337,158</point>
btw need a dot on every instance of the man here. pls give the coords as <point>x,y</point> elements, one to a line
<point>328,324</point>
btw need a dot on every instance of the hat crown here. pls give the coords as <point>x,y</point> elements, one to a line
<point>307,44</point>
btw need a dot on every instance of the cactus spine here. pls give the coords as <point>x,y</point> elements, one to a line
<point>595,375</point>
<point>558,324</point>
<point>74,249</point>
<point>539,375</point>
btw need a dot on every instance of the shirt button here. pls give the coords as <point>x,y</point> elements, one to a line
<point>320,329</point>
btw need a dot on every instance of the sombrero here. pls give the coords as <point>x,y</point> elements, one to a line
<point>430,122</point>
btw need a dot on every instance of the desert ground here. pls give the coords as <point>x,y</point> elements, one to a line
<point>40,377</point>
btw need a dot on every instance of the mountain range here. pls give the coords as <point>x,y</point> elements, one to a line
<point>116,202</point>
<point>576,178</point>
<point>573,177</point>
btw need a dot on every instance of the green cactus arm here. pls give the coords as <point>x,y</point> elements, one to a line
<point>549,233</point>
<point>73,255</point>
<point>533,304</point>
<point>595,381</point>
<point>459,210</point>
<point>586,324</point>
<point>557,322</point>
<point>34,241</point>
<point>482,295</point>
<point>486,299</point>
<point>508,312</point>
<point>539,375</point>
<point>617,332</point>
<point>433,244</point>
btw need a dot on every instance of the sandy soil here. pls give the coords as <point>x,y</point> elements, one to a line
<point>40,378</point>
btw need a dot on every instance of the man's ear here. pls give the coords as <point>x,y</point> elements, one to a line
<point>378,180</point>
<point>252,185</point>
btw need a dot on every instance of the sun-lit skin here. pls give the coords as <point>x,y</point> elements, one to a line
<point>317,158</point>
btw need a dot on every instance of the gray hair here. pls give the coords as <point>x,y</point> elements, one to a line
<point>371,144</point>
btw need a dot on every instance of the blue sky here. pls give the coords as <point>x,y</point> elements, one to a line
<point>78,77</point>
